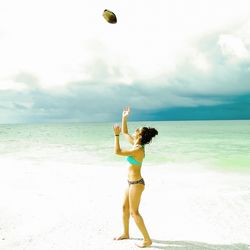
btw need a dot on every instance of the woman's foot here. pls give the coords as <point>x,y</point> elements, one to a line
<point>122,237</point>
<point>145,243</point>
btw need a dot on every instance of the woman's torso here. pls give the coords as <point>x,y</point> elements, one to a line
<point>134,170</point>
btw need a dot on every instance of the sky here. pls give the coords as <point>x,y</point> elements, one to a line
<point>60,61</point>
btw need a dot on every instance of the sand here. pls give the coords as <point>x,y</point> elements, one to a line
<point>53,205</point>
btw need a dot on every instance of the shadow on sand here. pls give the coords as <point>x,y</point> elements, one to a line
<point>194,245</point>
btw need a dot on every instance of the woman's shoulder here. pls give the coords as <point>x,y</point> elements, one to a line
<point>141,150</point>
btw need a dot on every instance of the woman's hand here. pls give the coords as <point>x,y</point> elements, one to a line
<point>117,129</point>
<point>126,112</point>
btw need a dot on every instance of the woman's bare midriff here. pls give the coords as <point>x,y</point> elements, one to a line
<point>134,172</point>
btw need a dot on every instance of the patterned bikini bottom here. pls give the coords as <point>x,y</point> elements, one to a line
<point>141,181</point>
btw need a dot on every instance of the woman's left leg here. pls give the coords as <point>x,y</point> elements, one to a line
<point>135,192</point>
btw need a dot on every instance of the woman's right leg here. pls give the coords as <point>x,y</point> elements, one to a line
<point>125,217</point>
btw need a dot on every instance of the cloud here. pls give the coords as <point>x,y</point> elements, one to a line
<point>97,102</point>
<point>233,108</point>
<point>233,47</point>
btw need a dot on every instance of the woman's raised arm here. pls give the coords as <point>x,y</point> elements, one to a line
<point>125,114</point>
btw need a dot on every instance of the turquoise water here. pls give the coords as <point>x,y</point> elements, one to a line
<point>211,144</point>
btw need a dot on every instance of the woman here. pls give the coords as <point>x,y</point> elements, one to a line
<point>136,184</point>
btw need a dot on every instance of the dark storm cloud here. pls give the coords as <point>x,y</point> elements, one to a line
<point>100,103</point>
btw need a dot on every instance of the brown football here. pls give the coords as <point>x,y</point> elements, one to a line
<point>109,16</point>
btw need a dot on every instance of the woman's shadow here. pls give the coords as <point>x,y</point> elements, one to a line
<point>194,245</point>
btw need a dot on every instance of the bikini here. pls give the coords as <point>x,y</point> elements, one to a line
<point>133,161</point>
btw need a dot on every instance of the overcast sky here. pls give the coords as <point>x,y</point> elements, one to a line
<point>167,59</point>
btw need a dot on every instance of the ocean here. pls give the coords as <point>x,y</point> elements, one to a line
<point>62,186</point>
<point>221,145</point>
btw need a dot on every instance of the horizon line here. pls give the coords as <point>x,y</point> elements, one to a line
<point>172,120</point>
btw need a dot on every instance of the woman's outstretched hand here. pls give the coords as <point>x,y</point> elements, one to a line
<point>126,112</point>
<point>117,129</point>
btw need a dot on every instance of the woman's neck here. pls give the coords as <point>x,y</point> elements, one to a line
<point>138,144</point>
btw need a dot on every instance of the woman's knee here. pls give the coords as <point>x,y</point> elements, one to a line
<point>134,213</point>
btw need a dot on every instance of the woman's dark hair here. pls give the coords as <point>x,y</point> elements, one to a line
<point>147,134</point>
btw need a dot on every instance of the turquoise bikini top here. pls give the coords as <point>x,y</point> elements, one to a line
<point>132,160</point>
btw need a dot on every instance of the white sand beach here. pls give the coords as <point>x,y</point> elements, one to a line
<point>55,205</point>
